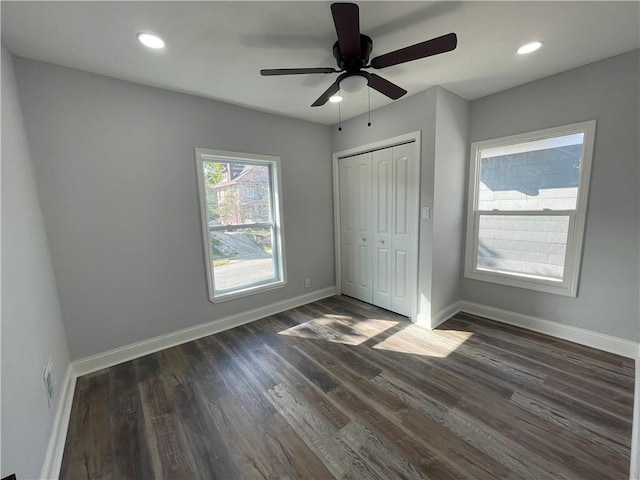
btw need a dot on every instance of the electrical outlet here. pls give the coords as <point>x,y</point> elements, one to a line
<point>48,381</point>
<point>307,283</point>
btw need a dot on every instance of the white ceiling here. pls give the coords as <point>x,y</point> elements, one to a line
<point>216,49</point>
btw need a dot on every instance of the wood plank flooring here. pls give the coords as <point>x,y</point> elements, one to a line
<point>342,389</point>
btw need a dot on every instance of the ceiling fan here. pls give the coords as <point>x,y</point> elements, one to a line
<point>352,51</point>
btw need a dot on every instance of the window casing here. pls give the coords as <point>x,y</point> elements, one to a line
<point>527,208</point>
<point>241,213</point>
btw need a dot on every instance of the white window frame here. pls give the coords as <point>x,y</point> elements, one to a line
<point>278,252</point>
<point>575,235</point>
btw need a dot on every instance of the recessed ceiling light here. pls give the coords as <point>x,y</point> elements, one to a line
<point>335,99</point>
<point>150,40</point>
<point>529,47</point>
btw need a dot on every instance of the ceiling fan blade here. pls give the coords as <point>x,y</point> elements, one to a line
<point>324,98</point>
<point>346,18</point>
<point>385,87</point>
<point>295,71</point>
<point>435,46</point>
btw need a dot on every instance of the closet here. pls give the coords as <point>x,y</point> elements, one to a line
<point>379,195</point>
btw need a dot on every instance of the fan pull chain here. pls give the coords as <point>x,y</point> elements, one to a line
<point>339,118</point>
<point>369,94</point>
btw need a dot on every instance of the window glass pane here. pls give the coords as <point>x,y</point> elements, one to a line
<point>242,257</point>
<point>237,193</point>
<point>526,245</point>
<point>536,175</point>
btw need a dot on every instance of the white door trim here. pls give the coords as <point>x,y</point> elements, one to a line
<point>413,137</point>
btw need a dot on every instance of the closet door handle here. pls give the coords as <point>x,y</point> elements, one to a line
<point>382,242</point>
<point>364,239</point>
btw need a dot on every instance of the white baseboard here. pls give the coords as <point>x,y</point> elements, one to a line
<point>600,341</point>
<point>145,347</point>
<point>432,322</point>
<point>55,447</point>
<point>444,315</point>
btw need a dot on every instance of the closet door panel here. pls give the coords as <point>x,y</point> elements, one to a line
<point>401,277</point>
<point>382,166</point>
<point>405,225</point>
<point>355,220</point>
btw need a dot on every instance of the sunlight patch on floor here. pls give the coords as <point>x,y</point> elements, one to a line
<point>415,340</point>
<point>340,329</point>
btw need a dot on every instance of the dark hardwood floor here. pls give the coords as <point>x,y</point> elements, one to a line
<point>339,388</point>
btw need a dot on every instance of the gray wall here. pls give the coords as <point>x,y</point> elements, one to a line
<point>442,118</point>
<point>451,160</point>
<point>606,91</point>
<point>31,322</point>
<point>115,167</point>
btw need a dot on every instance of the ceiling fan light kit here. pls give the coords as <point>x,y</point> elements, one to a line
<point>352,51</point>
<point>353,83</point>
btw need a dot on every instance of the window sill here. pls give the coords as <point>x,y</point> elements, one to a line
<point>540,285</point>
<point>220,298</point>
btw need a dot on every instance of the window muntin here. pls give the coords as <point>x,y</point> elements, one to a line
<point>527,208</point>
<point>241,212</point>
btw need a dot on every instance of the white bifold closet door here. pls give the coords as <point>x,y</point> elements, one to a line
<point>379,222</point>
<point>355,218</point>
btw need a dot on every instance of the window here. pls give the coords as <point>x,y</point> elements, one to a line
<point>242,233</point>
<point>527,208</point>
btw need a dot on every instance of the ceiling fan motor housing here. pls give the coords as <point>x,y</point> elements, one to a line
<point>353,64</point>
